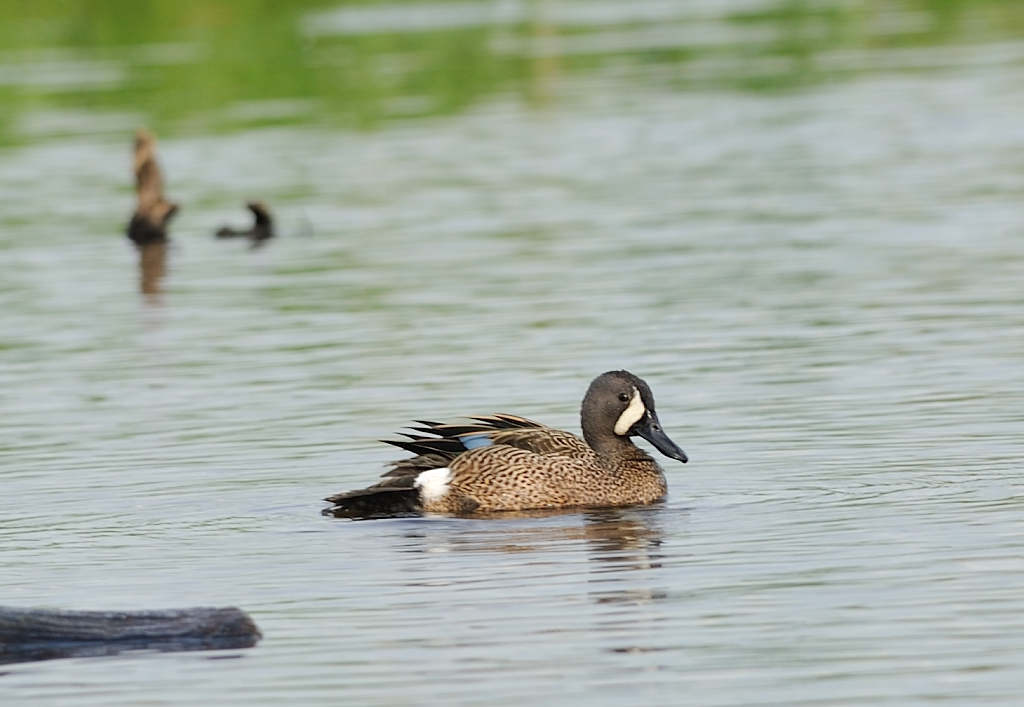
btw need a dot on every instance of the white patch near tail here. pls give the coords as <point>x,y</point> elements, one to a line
<point>433,484</point>
<point>631,415</point>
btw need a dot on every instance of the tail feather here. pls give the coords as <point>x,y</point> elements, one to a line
<point>448,430</point>
<point>441,445</point>
<point>375,502</point>
<point>414,466</point>
<point>503,421</point>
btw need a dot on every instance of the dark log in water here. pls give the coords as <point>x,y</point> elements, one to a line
<point>262,228</point>
<point>39,634</point>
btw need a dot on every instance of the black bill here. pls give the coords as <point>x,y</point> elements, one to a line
<point>650,429</point>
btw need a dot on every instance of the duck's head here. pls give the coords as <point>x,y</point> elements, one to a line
<point>619,405</point>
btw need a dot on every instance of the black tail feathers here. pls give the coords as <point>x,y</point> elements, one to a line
<point>376,502</point>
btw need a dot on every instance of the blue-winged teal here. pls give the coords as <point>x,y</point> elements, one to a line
<point>509,463</point>
<point>262,228</point>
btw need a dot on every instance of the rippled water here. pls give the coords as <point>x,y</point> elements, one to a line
<point>824,288</point>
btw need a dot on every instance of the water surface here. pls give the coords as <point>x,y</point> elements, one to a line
<point>816,263</point>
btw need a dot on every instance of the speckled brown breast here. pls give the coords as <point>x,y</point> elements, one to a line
<point>503,478</point>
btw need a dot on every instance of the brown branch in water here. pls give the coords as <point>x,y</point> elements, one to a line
<point>148,225</point>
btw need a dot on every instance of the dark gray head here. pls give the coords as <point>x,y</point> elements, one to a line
<point>618,405</point>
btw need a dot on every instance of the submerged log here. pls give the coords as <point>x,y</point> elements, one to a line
<point>40,634</point>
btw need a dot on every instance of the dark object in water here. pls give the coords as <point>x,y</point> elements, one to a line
<point>149,222</point>
<point>262,229</point>
<point>148,225</point>
<point>40,634</point>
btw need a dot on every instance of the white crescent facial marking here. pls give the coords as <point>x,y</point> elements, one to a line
<point>433,484</point>
<point>631,415</point>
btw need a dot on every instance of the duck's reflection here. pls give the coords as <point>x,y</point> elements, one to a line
<point>611,559</point>
<point>620,539</point>
<point>628,547</point>
<point>628,538</point>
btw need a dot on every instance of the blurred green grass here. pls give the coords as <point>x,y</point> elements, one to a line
<point>218,65</point>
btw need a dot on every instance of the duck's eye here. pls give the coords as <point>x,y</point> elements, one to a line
<point>624,397</point>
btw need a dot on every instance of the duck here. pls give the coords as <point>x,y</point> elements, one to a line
<point>503,462</point>
<point>262,229</point>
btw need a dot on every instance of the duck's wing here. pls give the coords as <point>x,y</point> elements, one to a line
<point>436,444</point>
<point>510,431</point>
<point>545,441</point>
<point>414,466</point>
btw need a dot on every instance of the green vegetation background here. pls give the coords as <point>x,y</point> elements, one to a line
<point>194,65</point>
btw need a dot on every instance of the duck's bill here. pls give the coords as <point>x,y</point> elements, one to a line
<point>650,429</point>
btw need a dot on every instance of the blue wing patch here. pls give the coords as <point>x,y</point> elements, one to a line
<point>474,441</point>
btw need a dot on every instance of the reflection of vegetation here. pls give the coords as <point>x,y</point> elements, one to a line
<point>218,64</point>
